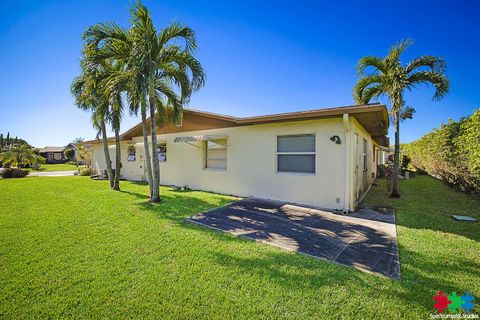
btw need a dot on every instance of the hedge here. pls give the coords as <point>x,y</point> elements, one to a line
<point>451,153</point>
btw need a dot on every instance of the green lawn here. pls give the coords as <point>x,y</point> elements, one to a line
<point>57,167</point>
<point>71,248</point>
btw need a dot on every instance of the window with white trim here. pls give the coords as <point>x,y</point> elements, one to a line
<point>162,152</point>
<point>296,153</point>
<point>131,153</point>
<point>365,155</point>
<point>216,154</point>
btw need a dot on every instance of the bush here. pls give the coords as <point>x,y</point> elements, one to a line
<point>70,153</point>
<point>405,161</point>
<point>381,171</point>
<point>451,153</point>
<point>86,172</point>
<point>14,173</point>
<point>73,163</point>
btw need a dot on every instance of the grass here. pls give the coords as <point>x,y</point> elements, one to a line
<point>71,248</point>
<point>57,167</point>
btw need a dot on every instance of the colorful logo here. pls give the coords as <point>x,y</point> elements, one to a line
<point>453,302</point>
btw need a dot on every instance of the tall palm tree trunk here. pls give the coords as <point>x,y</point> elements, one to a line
<point>107,154</point>
<point>145,145</point>
<point>156,165</point>
<point>118,162</point>
<point>394,192</point>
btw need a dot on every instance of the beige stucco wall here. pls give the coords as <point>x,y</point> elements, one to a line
<point>361,180</point>
<point>339,181</point>
<point>251,164</point>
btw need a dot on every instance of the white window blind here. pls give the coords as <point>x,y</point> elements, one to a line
<point>216,154</point>
<point>296,153</point>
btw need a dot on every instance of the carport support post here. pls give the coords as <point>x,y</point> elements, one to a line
<point>348,161</point>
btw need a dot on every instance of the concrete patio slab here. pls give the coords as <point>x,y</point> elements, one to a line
<point>365,240</point>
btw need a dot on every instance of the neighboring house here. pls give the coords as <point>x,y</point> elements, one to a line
<point>53,154</point>
<point>326,158</point>
<point>73,147</point>
<point>57,154</point>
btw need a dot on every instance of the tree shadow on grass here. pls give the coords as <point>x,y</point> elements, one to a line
<point>422,274</point>
<point>437,272</point>
<point>136,194</point>
<point>178,206</point>
<point>139,183</point>
<point>295,272</point>
<point>419,283</point>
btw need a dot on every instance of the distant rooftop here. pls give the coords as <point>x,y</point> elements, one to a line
<point>51,149</point>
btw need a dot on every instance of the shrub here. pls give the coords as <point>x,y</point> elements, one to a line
<point>405,161</point>
<point>451,153</point>
<point>86,172</point>
<point>73,163</point>
<point>70,153</point>
<point>381,171</point>
<point>14,173</point>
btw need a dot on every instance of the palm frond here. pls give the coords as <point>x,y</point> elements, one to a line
<point>176,31</point>
<point>437,79</point>
<point>362,84</point>
<point>371,61</point>
<point>435,64</point>
<point>393,56</point>
<point>95,34</point>
<point>374,91</point>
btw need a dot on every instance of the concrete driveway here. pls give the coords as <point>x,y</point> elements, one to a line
<point>365,240</point>
<point>51,173</point>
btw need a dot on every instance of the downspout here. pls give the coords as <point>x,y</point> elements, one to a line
<point>347,182</point>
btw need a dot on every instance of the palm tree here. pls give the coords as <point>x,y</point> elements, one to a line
<point>20,155</point>
<point>166,66</point>
<point>113,87</point>
<point>78,141</point>
<point>162,70</point>
<point>391,78</point>
<point>87,97</point>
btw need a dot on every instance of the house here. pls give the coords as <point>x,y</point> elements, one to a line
<point>53,154</point>
<point>72,146</point>
<point>325,157</point>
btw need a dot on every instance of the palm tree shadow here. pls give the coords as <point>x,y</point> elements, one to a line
<point>176,206</point>
<point>135,194</point>
<point>288,270</point>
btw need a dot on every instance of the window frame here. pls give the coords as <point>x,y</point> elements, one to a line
<point>131,152</point>
<point>310,153</point>
<point>205,155</point>
<point>160,145</point>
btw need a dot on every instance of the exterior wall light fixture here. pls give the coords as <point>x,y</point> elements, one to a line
<point>336,139</point>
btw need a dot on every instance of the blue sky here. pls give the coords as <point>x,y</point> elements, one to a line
<point>260,57</point>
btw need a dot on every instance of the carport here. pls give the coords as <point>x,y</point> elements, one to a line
<point>365,240</point>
